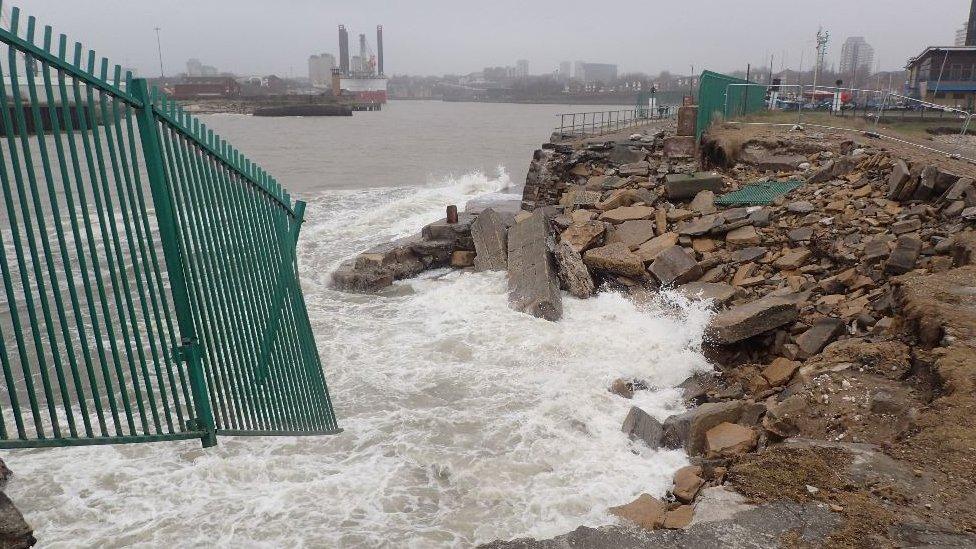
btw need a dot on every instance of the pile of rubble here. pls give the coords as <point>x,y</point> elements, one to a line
<point>818,351</point>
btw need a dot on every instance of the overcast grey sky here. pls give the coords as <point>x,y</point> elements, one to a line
<point>460,36</point>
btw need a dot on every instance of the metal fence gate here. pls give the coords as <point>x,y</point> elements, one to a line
<point>150,285</point>
<point>716,96</point>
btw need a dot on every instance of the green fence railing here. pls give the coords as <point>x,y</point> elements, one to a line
<point>150,282</point>
<point>725,96</point>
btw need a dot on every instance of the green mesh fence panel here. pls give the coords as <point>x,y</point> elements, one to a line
<point>717,98</point>
<point>758,194</point>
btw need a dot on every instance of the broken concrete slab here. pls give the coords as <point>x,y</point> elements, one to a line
<point>533,284</point>
<point>649,250</point>
<point>583,236</point>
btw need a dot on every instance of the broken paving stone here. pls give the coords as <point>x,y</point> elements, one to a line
<point>704,203</point>
<point>906,226</point>
<point>751,319</point>
<point>820,335</point>
<point>904,256</point>
<point>687,483</point>
<point>780,371</point>
<point>743,237</point>
<point>583,236</point>
<point>649,250</point>
<point>634,233</point>
<point>729,440</point>
<point>801,207</point>
<point>746,255</point>
<point>675,266</point>
<point>627,213</point>
<point>615,259</point>
<point>801,234</point>
<point>699,226</point>
<point>646,511</point>
<point>792,260</point>
<point>639,425</point>
<point>720,293</point>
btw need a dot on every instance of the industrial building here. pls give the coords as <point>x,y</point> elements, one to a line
<point>946,75</point>
<point>320,69</point>
<point>360,76</point>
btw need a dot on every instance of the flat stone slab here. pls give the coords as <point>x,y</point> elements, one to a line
<point>751,319</point>
<point>533,284</point>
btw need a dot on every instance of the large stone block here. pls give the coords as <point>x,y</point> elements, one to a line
<point>679,147</point>
<point>750,319</point>
<point>682,186</point>
<point>687,120</point>
<point>490,241</point>
<point>533,284</point>
<point>904,256</point>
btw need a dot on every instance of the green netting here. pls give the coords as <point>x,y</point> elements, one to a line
<point>758,194</point>
<point>712,101</point>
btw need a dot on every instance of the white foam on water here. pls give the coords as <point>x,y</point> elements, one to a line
<point>464,420</point>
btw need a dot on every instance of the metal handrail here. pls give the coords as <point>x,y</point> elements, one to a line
<point>581,124</point>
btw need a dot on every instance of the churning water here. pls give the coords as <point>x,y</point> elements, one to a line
<point>464,421</point>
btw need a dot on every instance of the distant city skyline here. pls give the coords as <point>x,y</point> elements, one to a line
<point>431,37</point>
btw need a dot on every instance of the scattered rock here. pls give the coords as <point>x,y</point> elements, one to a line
<point>720,293</point>
<point>742,237</point>
<point>681,186</point>
<point>679,517</point>
<point>688,430</point>
<point>627,213</point>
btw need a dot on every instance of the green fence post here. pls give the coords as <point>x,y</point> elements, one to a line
<point>189,348</point>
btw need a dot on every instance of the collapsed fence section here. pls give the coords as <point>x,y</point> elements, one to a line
<point>149,276</point>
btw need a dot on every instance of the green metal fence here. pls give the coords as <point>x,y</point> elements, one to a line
<point>150,281</point>
<point>725,96</point>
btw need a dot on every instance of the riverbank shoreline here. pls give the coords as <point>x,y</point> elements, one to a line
<point>835,361</point>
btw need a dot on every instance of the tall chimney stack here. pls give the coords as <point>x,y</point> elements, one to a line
<point>971,28</point>
<point>379,48</point>
<point>343,50</point>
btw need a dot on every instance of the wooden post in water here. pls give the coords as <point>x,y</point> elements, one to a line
<point>452,214</point>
